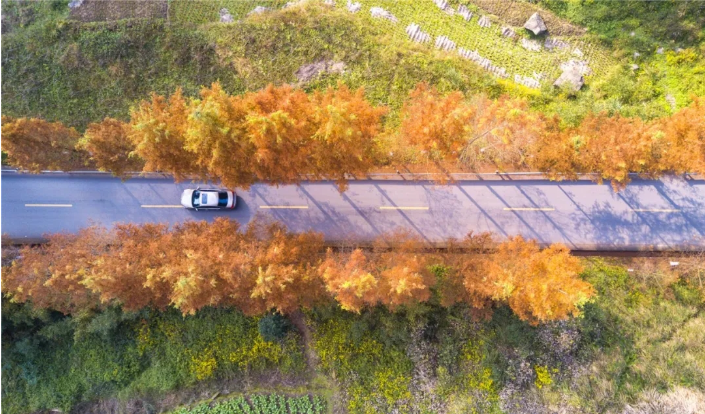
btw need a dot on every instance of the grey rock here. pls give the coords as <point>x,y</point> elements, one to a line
<point>225,16</point>
<point>551,43</point>
<point>571,78</point>
<point>416,34</point>
<point>306,73</point>
<point>535,24</point>
<point>380,13</point>
<point>636,55</point>
<point>485,63</point>
<point>259,10</point>
<point>579,65</point>
<point>659,51</point>
<point>464,12</point>
<point>531,45</point>
<point>527,81</point>
<point>508,32</point>
<point>354,7</point>
<point>442,4</point>
<point>75,3</point>
<point>442,42</point>
<point>577,52</point>
<point>484,21</point>
<point>671,101</point>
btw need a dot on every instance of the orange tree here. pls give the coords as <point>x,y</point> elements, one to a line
<point>35,144</point>
<point>110,148</point>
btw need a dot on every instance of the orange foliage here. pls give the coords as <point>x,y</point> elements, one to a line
<point>52,275</point>
<point>158,129</point>
<point>539,285</point>
<point>109,147</point>
<point>265,267</point>
<point>351,282</point>
<point>36,145</point>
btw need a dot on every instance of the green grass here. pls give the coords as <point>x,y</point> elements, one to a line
<point>52,361</point>
<point>79,73</point>
<point>260,404</point>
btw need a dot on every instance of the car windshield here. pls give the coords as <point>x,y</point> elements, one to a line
<point>196,198</point>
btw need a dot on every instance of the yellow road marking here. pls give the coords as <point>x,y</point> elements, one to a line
<point>657,210</point>
<point>402,208</point>
<point>284,207</point>
<point>161,206</point>
<point>48,205</point>
<point>529,209</point>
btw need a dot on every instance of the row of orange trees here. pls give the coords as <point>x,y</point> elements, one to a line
<point>264,267</point>
<point>281,134</point>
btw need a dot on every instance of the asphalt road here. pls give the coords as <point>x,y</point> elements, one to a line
<point>664,214</point>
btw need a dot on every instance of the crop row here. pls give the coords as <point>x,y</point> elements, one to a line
<point>260,404</point>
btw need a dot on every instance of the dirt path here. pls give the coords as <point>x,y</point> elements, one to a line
<point>299,320</point>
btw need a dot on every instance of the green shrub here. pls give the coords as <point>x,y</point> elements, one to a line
<point>273,327</point>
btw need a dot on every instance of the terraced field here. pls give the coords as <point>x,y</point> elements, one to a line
<point>505,56</point>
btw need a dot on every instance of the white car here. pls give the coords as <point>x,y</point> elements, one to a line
<point>208,199</point>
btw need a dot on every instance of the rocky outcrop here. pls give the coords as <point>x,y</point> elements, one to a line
<point>571,78</point>
<point>535,24</point>
<point>307,73</point>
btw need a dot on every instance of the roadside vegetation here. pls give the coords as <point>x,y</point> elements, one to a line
<point>637,344</point>
<point>283,135</point>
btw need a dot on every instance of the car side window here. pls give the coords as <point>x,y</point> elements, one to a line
<point>222,199</point>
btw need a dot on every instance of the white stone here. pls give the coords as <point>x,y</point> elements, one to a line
<point>636,55</point>
<point>527,81</point>
<point>531,45</point>
<point>579,65</point>
<point>577,52</point>
<point>442,42</point>
<point>380,13</point>
<point>416,34</point>
<point>484,21</point>
<point>442,4</point>
<point>551,43</point>
<point>464,12</point>
<point>259,10</point>
<point>329,2</point>
<point>634,66</point>
<point>508,32</point>
<point>354,7</point>
<point>659,51</point>
<point>225,16</point>
<point>75,3</point>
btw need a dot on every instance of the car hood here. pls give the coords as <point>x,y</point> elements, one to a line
<point>186,198</point>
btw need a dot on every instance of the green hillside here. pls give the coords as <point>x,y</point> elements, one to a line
<point>73,72</point>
